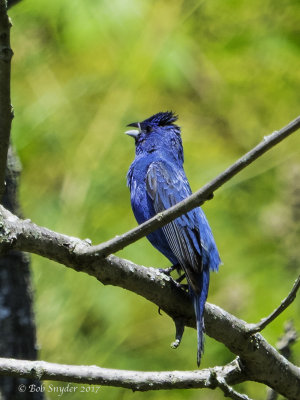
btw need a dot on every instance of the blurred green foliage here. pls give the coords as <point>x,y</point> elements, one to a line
<point>82,70</point>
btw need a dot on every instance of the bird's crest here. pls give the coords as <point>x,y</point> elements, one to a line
<point>161,119</point>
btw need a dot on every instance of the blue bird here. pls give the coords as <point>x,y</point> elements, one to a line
<point>157,181</point>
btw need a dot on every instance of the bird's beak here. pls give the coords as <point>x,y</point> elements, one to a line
<point>134,132</point>
<point>134,124</point>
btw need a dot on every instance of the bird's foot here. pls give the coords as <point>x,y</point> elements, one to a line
<point>168,271</point>
<point>182,286</point>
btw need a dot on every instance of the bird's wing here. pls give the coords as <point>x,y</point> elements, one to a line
<point>167,186</point>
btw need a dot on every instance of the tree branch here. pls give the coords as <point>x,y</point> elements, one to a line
<point>284,346</point>
<point>229,391</point>
<point>260,361</point>
<point>138,381</point>
<point>196,199</point>
<point>253,328</point>
<point>6,114</point>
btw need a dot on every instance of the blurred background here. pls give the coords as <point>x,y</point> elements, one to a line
<point>82,71</point>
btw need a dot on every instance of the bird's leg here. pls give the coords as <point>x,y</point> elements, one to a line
<point>181,278</point>
<point>168,271</point>
<point>183,286</point>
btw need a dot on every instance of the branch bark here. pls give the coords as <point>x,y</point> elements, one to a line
<point>6,114</point>
<point>196,199</point>
<point>135,380</point>
<point>259,360</point>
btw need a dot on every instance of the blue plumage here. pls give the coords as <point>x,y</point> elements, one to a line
<point>157,181</point>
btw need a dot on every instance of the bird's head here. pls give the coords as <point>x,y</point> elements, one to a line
<point>157,133</point>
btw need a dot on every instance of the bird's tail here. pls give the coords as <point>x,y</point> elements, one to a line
<point>199,304</point>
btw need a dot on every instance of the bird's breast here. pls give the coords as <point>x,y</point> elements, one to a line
<point>141,207</point>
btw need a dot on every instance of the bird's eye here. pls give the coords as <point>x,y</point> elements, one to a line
<point>148,129</point>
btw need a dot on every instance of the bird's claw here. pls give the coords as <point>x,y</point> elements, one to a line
<point>182,286</point>
<point>168,271</point>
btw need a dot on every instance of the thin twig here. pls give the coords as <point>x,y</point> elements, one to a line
<point>229,391</point>
<point>217,380</point>
<point>253,328</point>
<point>6,114</point>
<point>196,199</point>
<point>286,341</point>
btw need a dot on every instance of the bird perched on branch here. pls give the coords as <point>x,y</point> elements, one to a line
<point>157,181</point>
